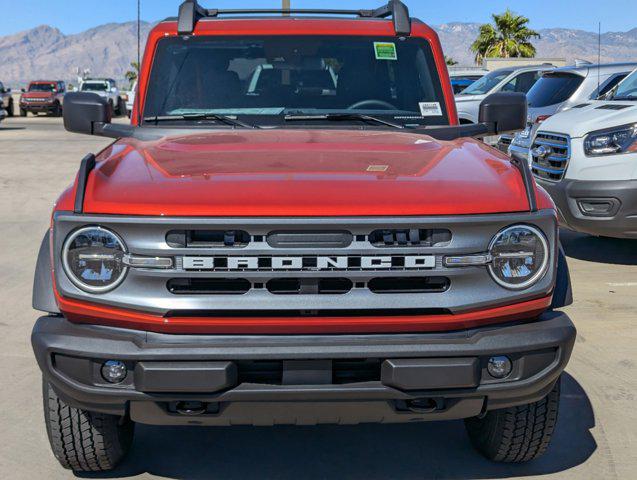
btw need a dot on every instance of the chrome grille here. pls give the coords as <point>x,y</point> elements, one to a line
<point>550,154</point>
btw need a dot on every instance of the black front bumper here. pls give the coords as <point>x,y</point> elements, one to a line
<point>600,208</point>
<point>38,108</point>
<point>262,380</point>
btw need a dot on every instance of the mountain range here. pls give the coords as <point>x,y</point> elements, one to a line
<point>108,50</point>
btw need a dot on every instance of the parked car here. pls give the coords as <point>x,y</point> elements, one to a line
<point>6,98</point>
<point>3,112</point>
<point>107,88</point>
<point>560,90</point>
<point>295,256</point>
<point>43,96</point>
<point>518,79</point>
<point>585,158</point>
<point>461,78</point>
<point>130,100</point>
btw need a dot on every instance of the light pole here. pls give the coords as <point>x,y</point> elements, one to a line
<point>286,4</point>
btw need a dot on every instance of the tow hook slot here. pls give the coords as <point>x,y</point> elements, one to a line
<point>422,405</point>
<point>190,409</point>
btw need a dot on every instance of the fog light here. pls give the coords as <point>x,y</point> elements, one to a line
<point>499,367</point>
<point>114,371</point>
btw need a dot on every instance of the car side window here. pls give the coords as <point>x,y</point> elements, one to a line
<point>610,84</point>
<point>522,83</point>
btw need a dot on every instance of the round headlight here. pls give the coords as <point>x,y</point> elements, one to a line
<point>93,259</point>
<point>520,257</point>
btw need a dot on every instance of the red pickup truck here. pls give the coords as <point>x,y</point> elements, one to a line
<point>296,230</point>
<point>43,96</point>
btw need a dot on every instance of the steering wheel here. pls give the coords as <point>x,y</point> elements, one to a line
<point>371,101</point>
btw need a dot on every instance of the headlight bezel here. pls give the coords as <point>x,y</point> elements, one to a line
<point>538,275</point>
<point>631,128</point>
<point>69,271</point>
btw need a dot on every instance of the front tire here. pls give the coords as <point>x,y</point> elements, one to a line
<point>121,107</point>
<point>23,112</point>
<point>85,441</point>
<point>57,110</point>
<point>10,109</point>
<point>516,434</point>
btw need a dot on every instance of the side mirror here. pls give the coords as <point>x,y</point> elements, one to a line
<point>506,112</point>
<point>8,90</point>
<point>86,112</point>
<point>23,90</point>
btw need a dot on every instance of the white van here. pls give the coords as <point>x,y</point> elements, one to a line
<point>586,158</point>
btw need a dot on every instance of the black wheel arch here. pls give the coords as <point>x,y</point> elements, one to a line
<point>563,294</point>
<point>43,295</point>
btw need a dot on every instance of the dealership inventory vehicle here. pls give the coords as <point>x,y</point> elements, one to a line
<point>513,79</point>
<point>311,250</point>
<point>3,112</point>
<point>461,77</point>
<point>107,88</point>
<point>586,158</point>
<point>560,90</point>
<point>130,100</point>
<point>6,98</point>
<point>43,96</point>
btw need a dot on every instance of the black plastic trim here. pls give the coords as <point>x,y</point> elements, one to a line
<point>56,336</point>
<point>43,297</point>
<point>190,12</point>
<point>529,183</point>
<point>87,165</point>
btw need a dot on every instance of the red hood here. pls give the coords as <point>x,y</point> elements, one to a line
<point>303,173</point>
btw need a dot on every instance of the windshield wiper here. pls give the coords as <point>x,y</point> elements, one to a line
<point>342,117</point>
<point>199,116</point>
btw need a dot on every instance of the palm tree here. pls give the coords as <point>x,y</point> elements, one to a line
<point>450,61</point>
<point>131,75</point>
<point>508,36</point>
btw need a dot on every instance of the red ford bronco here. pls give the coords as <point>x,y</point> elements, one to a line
<point>43,96</point>
<point>296,230</point>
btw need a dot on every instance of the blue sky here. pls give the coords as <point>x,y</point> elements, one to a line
<point>72,16</point>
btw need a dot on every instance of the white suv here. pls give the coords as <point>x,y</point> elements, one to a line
<point>586,158</point>
<point>107,88</point>
<point>514,79</point>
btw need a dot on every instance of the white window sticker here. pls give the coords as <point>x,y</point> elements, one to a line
<point>430,109</point>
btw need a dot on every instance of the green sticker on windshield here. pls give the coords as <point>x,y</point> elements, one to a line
<point>385,51</point>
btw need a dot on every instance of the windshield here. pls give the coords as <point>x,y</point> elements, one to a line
<point>269,78</point>
<point>94,87</point>
<point>553,89</point>
<point>627,90</point>
<point>42,87</point>
<point>487,83</point>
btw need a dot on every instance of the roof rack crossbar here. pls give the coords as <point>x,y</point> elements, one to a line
<point>190,12</point>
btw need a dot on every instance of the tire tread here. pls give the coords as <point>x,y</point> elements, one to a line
<point>85,441</point>
<point>516,434</point>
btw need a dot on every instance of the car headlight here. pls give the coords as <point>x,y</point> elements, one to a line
<point>93,259</point>
<point>520,257</point>
<point>611,141</point>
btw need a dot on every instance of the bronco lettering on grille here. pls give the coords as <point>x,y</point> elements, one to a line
<point>311,263</point>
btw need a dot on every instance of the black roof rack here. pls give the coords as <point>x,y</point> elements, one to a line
<point>190,12</point>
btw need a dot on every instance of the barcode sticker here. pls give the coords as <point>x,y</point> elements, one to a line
<point>430,109</point>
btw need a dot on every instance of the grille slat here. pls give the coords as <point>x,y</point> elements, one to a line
<point>550,155</point>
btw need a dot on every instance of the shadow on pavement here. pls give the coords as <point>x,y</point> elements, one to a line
<point>426,450</point>
<point>612,251</point>
<point>11,128</point>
